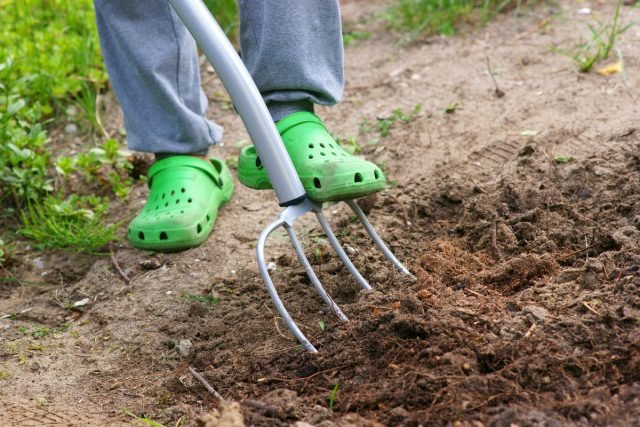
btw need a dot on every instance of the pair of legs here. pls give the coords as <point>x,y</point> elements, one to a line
<point>292,49</point>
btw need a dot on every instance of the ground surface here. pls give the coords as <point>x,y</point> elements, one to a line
<point>525,309</point>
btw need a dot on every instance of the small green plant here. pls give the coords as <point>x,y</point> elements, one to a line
<point>205,299</point>
<point>4,375</point>
<point>107,165</point>
<point>75,223</point>
<point>38,332</point>
<point>5,252</point>
<point>143,419</point>
<point>428,17</point>
<point>562,159</point>
<point>602,40</point>
<point>451,108</point>
<point>351,37</point>
<point>383,125</point>
<point>322,325</point>
<point>333,394</point>
<point>226,13</point>
<point>349,144</point>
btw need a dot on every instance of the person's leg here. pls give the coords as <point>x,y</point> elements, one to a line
<point>293,50</point>
<point>153,67</point>
<point>154,71</point>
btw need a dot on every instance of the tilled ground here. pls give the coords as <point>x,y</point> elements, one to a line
<point>526,302</point>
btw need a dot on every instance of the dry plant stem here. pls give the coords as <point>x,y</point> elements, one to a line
<point>98,119</point>
<point>498,92</point>
<point>304,378</point>
<point>494,239</point>
<point>206,384</point>
<point>591,309</point>
<point>122,274</point>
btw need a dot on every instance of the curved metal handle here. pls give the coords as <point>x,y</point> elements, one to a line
<point>245,96</point>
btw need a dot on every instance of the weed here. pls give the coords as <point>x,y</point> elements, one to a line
<point>383,125</point>
<point>38,332</point>
<point>333,394</point>
<point>322,325</point>
<point>107,165</point>
<point>6,249</point>
<point>451,108</point>
<point>350,37</point>
<point>23,157</point>
<point>349,144</point>
<point>75,223</point>
<point>205,299</point>
<point>143,419</point>
<point>226,13</point>
<point>428,17</point>
<point>562,159</point>
<point>602,39</point>
<point>4,375</point>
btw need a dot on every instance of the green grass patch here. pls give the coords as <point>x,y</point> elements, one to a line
<point>143,419</point>
<point>351,37</point>
<point>333,394</point>
<point>204,299</point>
<point>226,13</point>
<point>428,17</point>
<point>75,223</point>
<point>600,42</point>
<point>383,125</point>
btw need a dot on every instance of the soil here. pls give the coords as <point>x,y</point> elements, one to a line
<point>518,213</point>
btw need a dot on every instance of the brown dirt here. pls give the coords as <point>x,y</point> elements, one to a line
<point>525,309</point>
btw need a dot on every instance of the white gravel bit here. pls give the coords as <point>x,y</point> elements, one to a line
<point>184,347</point>
<point>350,249</point>
<point>271,266</point>
<point>82,302</point>
<point>71,129</point>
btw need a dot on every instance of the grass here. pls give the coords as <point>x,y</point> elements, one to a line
<point>428,17</point>
<point>601,41</point>
<point>383,125</point>
<point>351,37</point>
<point>75,223</point>
<point>49,59</point>
<point>50,64</point>
<point>204,299</point>
<point>333,394</point>
<point>143,419</point>
<point>226,13</point>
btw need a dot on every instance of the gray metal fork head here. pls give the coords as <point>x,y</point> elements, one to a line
<point>286,219</point>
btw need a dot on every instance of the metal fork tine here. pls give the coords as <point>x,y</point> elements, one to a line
<point>341,253</point>
<point>376,238</point>
<point>262,265</point>
<point>312,275</point>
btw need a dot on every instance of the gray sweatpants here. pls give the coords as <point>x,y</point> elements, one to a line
<point>292,48</point>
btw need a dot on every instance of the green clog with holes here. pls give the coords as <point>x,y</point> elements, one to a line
<point>184,197</point>
<point>327,172</point>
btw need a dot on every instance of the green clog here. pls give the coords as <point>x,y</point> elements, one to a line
<point>184,197</point>
<point>327,172</point>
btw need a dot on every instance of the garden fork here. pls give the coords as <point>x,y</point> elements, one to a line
<point>280,170</point>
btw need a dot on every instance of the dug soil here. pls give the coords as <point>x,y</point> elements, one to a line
<point>514,200</point>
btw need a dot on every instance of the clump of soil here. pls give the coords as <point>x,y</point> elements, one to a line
<point>525,312</point>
